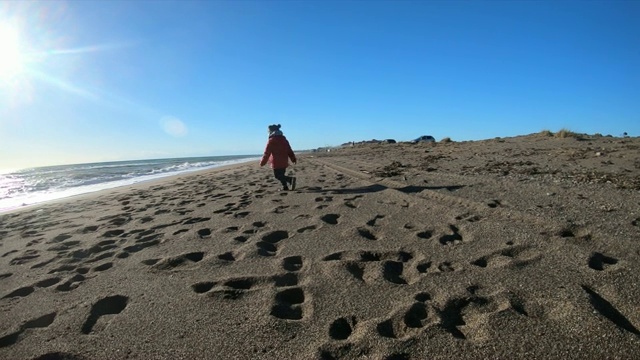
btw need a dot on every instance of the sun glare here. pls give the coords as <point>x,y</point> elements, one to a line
<point>11,59</point>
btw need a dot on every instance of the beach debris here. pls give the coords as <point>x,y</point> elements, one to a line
<point>393,169</point>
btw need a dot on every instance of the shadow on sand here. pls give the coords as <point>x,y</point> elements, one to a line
<point>410,189</point>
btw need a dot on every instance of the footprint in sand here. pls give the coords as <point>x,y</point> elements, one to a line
<point>30,233</point>
<point>63,237</point>
<point>146,219</point>
<point>204,233</point>
<point>241,238</point>
<point>259,224</point>
<point>468,217</point>
<point>26,257</point>
<point>41,322</point>
<point>407,322</point>
<point>27,290</point>
<point>21,292</point>
<point>451,239</point>
<point>473,310</point>
<point>331,219</point>
<point>345,350</point>
<point>190,221</point>
<point>267,246</point>
<point>292,263</point>
<point>600,262</point>
<point>109,305</point>
<point>175,261</point>
<point>235,288</point>
<point>307,228</point>
<point>143,240</point>
<point>289,304</point>
<point>423,266</point>
<point>403,323</point>
<point>47,282</point>
<point>103,267</point>
<point>86,255</point>
<point>371,267</point>
<point>366,233</point>
<point>228,257</point>
<point>446,267</point>
<point>5,275</point>
<point>60,356</point>
<point>88,229</point>
<point>113,233</point>
<point>280,209</point>
<point>373,221</point>
<point>241,214</point>
<point>350,202</point>
<point>512,256</point>
<point>118,220</point>
<point>64,247</point>
<point>9,253</point>
<point>71,283</point>
<point>427,234</point>
<point>342,328</point>
<point>459,316</point>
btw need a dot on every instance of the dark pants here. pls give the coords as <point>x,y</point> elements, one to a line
<point>279,174</point>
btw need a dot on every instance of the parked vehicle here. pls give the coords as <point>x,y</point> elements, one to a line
<point>423,138</point>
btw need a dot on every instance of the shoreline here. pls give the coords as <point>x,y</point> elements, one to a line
<point>142,183</point>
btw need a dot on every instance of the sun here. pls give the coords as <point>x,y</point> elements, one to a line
<point>12,61</point>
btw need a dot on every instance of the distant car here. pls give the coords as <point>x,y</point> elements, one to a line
<point>389,141</point>
<point>423,138</point>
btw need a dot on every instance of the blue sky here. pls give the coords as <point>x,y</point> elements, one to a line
<point>116,80</point>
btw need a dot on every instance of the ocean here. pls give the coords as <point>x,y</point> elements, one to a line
<point>36,185</point>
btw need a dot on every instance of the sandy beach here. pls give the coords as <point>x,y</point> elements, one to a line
<point>515,248</point>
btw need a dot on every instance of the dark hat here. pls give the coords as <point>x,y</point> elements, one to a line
<point>274,127</point>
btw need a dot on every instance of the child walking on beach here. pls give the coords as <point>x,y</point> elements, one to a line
<point>277,153</point>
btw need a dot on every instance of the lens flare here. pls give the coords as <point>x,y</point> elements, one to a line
<point>12,61</point>
<point>174,126</point>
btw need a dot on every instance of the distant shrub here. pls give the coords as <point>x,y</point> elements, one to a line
<point>565,133</point>
<point>446,140</point>
<point>546,133</point>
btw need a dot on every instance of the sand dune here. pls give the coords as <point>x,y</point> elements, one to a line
<point>524,247</point>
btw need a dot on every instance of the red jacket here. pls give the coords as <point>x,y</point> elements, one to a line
<point>278,152</point>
